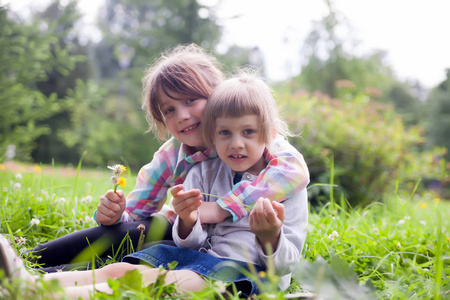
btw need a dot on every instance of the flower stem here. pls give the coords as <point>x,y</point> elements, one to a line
<point>247,207</point>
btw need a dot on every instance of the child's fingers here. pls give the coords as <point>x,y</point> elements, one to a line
<point>279,207</point>
<point>258,211</point>
<point>270,213</point>
<point>176,189</point>
<point>113,196</point>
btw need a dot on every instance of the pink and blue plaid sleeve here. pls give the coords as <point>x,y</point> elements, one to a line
<point>285,175</point>
<point>152,184</point>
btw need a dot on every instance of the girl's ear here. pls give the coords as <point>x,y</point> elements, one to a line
<point>274,133</point>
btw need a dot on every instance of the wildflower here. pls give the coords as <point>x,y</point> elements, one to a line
<point>39,199</point>
<point>448,239</point>
<point>87,199</point>
<point>38,169</point>
<point>398,246</point>
<point>87,219</point>
<point>44,193</point>
<point>122,182</point>
<point>333,235</point>
<point>2,167</point>
<point>437,200</point>
<point>35,222</point>
<point>423,222</point>
<point>220,286</point>
<point>62,200</point>
<point>20,240</point>
<point>17,186</point>
<point>141,227</point>
<point>401,222</point>
<point>376,230</point>
<point>423,205</point>
<point>117,169</point>
<point>262,274</point>
<point>114,180</point>
<point>19,176</point>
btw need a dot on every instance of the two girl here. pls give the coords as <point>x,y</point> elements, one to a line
<point>241,123</point>
<point>175,93</point>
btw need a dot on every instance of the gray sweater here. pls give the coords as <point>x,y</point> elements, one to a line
<point>235,240</point>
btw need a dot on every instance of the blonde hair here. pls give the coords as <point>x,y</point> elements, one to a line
<point>186,69</point>
<point>243,94</point>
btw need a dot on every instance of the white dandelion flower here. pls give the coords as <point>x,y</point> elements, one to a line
<point>17,186</point>
<point>220,286</point>
<point>19,176</point>
<point>115,180</point>
<point>35,222</point>
<point>117,169</point>
<point>333,235</point>
<point>87,199</point>
<point>20,240</point>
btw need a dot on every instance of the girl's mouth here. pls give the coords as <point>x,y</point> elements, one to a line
<point>190,128</point>
<point>237,157</point>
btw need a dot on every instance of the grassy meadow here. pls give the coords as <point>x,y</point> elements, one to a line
<point>395,249</point>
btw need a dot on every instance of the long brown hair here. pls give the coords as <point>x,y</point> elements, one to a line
<point>187,70</point>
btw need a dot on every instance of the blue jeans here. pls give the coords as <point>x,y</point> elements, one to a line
<point>216,268</point>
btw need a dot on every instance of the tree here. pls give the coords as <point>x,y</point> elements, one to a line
<point>61,21</point>
<point>439,116</point>
<point>25,60</point>
<point>332,68</point>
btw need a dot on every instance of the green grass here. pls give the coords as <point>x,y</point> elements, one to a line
<point>398,248</point>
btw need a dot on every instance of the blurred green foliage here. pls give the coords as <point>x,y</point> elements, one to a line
<point>63,94</point>
<point>26,57</point>
<point>438,129</point>
<point>363,142</point>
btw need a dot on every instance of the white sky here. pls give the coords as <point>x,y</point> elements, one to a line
<point>415,33</point>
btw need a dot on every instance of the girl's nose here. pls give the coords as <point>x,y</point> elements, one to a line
<point>182,115</point>
<point>236,142</point>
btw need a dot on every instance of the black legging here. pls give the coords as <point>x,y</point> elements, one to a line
<point>60,253</point>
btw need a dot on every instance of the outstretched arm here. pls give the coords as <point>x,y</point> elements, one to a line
<point>285,175</point>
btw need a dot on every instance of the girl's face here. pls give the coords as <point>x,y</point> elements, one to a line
<point>183,116</point>
<point>239,143</point>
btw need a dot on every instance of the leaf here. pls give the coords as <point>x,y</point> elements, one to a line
<point>335,281</point>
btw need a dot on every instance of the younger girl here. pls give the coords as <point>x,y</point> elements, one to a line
<point>241,123</point>
<point>175,93</point>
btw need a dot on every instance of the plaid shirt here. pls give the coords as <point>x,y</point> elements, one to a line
<point>285,175</point>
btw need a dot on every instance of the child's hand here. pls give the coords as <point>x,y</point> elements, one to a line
<point>111,207</point>
<point>186,206</point>
<point>265,221</point>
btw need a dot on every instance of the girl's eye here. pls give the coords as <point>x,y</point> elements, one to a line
<point>224,132</point>
<point>191,100</point>
<point>168,111</point>
<point>249,131</point>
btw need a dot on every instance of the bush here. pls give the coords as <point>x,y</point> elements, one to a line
<point>360,144</point>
